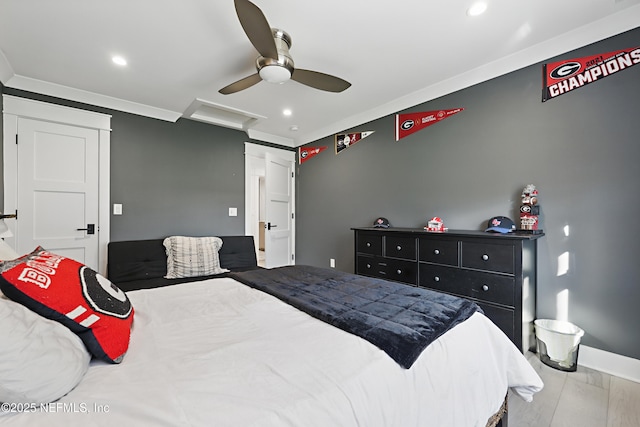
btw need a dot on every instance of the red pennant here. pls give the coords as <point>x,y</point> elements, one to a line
<point>409,123</point>
<point>561,77</point>
<point>305,153</point>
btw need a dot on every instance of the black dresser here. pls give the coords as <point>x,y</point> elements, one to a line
<point>497,271</point>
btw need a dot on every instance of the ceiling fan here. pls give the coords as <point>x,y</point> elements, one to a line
<point>275,64</point>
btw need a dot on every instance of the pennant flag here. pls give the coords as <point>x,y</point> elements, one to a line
<point>562,77</point>
<point>406,124</point>
<point>346,140</point>
<point>306,153</point>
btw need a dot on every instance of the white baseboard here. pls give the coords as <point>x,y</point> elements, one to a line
<point>610,363</point>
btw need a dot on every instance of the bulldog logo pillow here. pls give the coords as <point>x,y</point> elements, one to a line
<point>71,293</point>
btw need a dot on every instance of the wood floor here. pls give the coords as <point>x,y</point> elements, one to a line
<point>585,398</point>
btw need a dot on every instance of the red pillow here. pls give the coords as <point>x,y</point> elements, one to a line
<point>71,293</point>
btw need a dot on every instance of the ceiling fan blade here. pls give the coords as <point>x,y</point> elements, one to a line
<point>241,84</point>
<point>319,80</point>
<point>257,28</point>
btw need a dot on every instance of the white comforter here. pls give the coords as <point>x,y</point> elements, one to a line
<point>217,353</point>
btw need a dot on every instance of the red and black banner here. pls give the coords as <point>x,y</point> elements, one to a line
<point>562,77</point>
<point>406,124</point>
<point>305,153</point>
<point>346,140</point>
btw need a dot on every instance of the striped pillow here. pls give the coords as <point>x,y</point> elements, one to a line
<point>192,256</point>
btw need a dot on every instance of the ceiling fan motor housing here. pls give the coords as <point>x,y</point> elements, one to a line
<point>277,70</point>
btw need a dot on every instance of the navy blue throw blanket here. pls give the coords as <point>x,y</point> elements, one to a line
<point>399,319</point>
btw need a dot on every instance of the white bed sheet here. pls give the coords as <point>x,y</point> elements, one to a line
<point>218,353</point>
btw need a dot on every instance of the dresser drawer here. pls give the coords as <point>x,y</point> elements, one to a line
<point>488,256</point>
<point>370,243</point>
<point>370,266</point>
<point>385,268</point>
<point>481,286</point>
<point>400,271</point>
<point>488,287</point>
<point>439,251</point>
<point>503,318</point>
<point>440,278</point>
<point>400,247</point>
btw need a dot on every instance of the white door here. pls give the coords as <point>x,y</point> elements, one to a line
<point>278,211</point>
<point>58,186</point>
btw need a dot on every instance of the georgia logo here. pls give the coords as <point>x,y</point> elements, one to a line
<point>304,154</point>
<point>103,296</point>
<point>407,124</point>
<point>565,70</point>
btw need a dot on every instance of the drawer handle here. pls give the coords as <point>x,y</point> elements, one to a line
<point>399,247</point>
<point>485,257</point>
<point>399,271</point>
<point>436,279</point>
<point>485,288</point>
<point>437,252</point>
<point>368,244</point>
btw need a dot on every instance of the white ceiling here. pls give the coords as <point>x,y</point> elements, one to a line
<point>396,54</point>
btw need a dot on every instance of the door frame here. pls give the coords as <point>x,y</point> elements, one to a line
<point>255,165</point>
<point>15,108</point>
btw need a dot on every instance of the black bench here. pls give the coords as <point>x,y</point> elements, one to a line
<point>142,264</point>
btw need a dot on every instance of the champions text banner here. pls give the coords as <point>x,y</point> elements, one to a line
<point>561,77</point>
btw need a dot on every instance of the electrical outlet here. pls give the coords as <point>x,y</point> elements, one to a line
<point>332,263</point>
<point>233,211</point>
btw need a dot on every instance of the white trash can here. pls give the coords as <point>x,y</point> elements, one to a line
<point>558,343</point>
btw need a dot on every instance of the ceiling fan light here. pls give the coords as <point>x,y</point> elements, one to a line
<point>274,74</point>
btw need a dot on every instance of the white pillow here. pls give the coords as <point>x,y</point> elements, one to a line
<point>192,256</point>
<point>7,252</point>
<point>40,360</point>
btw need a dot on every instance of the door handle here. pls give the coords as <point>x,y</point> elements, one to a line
<point>91,229</point>
<point>269,226</point>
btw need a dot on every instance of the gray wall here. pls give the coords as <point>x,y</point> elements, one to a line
<point>581,150</point>
<point>175,178</point>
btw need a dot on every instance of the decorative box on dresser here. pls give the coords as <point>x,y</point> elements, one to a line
<point>497,271</point>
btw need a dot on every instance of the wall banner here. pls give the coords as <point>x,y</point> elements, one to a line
<point>562,77</point>
<point>346,140</point>
<point>305,153</point>
<point>406,124</point>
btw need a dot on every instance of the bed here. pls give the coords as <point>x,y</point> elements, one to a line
<point>219,351</point>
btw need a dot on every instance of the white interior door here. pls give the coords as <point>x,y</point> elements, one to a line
<point>55,170</point>
<point>278,211</point>
<point>58,186</point>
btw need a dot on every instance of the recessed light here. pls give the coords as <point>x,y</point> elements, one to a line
<point>119,60</point>
<point>287,112</point>
<point>477,9</point>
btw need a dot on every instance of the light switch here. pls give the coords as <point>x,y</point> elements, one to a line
<point>117,209</point>
<point>233,211</point>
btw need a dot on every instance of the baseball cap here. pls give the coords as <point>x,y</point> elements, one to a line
<point>501,224</point>
<point>381,223</point>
